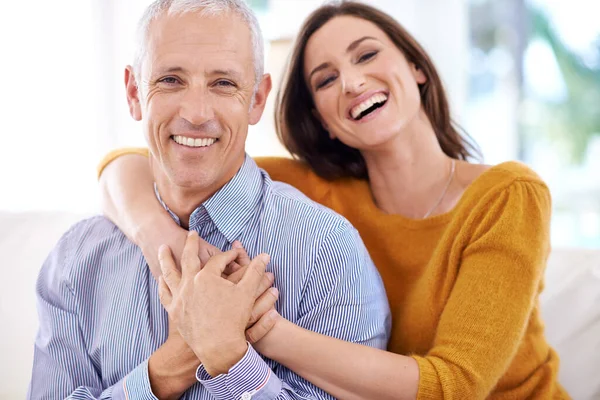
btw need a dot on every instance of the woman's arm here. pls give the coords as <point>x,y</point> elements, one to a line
<point>343,369</point>
<point>129,201</point>
<point>128,197</point>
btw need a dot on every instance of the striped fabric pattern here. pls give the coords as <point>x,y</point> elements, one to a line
<point>101,318</point>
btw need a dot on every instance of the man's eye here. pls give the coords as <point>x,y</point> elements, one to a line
<point>367,56</point>
<point>169,80</point>
<point>225,83</point>
<point>325,82</point>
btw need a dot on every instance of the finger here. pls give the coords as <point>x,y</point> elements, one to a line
<point>251,279</point>
<point>164,294</point>
<point>206,251</point>
<point>242,261</point>
<point>190,262</point>
<point>217,263</point>
<point>262,327</point>
<point>170,273</point>
<point>231,268</point>
<point>263,304</point>
<point>265,283</point>
<point>237,275</point>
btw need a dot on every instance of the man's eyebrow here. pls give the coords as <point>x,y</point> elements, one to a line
<point>231,73</point>
<point>169,70</point>
<point>350,48</point>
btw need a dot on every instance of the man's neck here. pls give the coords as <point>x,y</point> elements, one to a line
<point>184,200</point>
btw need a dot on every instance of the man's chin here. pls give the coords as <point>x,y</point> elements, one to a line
<point>189,178</point>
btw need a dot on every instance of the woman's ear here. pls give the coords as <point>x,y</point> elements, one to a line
<point>323,123</point>
<point>418,74</point>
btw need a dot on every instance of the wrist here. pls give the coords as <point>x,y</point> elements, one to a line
<point>219,359</point>
<point>152,227</point>
<point>172,369</point>
<point>280,334</point>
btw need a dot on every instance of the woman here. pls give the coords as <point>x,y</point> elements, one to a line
<point>461,247</point>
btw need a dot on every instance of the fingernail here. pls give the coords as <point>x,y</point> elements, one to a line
<point>274,291</point>
<point>272,315</point>
<point>161,250</point>
<point>236,245</point>
<point>270,276</point>
<point>265,258</point>
<point>191,233</point>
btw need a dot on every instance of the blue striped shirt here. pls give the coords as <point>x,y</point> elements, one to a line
<point>101,318</point>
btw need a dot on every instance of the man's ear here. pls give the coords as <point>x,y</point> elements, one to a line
<point>260,99</point>
<point>418,74</point>
<point>133,94</point>
<point>323,123</point>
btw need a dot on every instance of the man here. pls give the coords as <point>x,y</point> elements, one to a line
<point>196,85</point>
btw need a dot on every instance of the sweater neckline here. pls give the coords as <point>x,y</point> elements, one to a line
<point>435,220</point>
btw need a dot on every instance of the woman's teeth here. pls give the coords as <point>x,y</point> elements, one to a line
<point>368,103</point>
<point>191,142</point>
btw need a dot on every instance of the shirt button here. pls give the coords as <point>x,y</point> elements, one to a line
<point>246,396</point>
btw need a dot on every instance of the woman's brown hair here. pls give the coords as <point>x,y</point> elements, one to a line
<point>304,136</point>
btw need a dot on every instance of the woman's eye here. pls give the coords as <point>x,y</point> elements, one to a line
<point>367,56</point>
<point>325,82</point>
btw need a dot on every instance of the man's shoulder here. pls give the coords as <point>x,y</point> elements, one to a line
<point>301,210</point>
<point>296,173</point>
<point>90,231</point>
<point>87,243</point>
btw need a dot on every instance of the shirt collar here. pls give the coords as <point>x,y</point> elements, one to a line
<point>232,206</point>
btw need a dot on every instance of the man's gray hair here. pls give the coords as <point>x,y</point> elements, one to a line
<point>207,8</point>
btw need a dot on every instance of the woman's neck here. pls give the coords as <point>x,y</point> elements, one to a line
<point>408,175</point>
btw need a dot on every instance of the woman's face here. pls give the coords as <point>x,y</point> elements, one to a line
<point>365,92</point>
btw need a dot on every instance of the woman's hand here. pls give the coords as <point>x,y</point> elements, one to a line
<point>257,333</point>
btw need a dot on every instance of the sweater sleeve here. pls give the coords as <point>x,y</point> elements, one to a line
<point>114,154</point>
<point>498,281</point>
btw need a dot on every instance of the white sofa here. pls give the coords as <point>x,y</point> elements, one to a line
<point>570,303</point>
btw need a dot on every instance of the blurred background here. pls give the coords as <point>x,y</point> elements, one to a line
<point>523,77</point>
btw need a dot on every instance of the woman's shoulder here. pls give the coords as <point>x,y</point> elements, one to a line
<point>480,179</point>
<point>295,173</point>
<point>510,184</point>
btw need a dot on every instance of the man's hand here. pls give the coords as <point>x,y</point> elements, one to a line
<point>211,313</point>
<point>174,236</point>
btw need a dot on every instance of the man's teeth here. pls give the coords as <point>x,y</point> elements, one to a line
<point>368,103</point>
<point>191,142</point>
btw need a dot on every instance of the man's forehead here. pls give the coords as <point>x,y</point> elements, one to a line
<point>227,31</point>
<point>189,41</point>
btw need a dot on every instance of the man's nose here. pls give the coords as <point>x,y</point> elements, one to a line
<point>196,106</point>
<point>353,82</point>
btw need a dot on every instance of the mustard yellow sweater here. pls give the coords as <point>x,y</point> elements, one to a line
<point>463,286</point>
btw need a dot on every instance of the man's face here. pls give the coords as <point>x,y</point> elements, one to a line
<point>194,98</point>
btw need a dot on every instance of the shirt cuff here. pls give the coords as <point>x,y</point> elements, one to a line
<point>136,385</point>
<point>250,378</point>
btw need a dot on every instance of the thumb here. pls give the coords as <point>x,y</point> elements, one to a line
<point>255,272</point>
<point>243,260</point>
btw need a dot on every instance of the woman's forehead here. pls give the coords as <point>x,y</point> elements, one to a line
<point>334,37</point>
